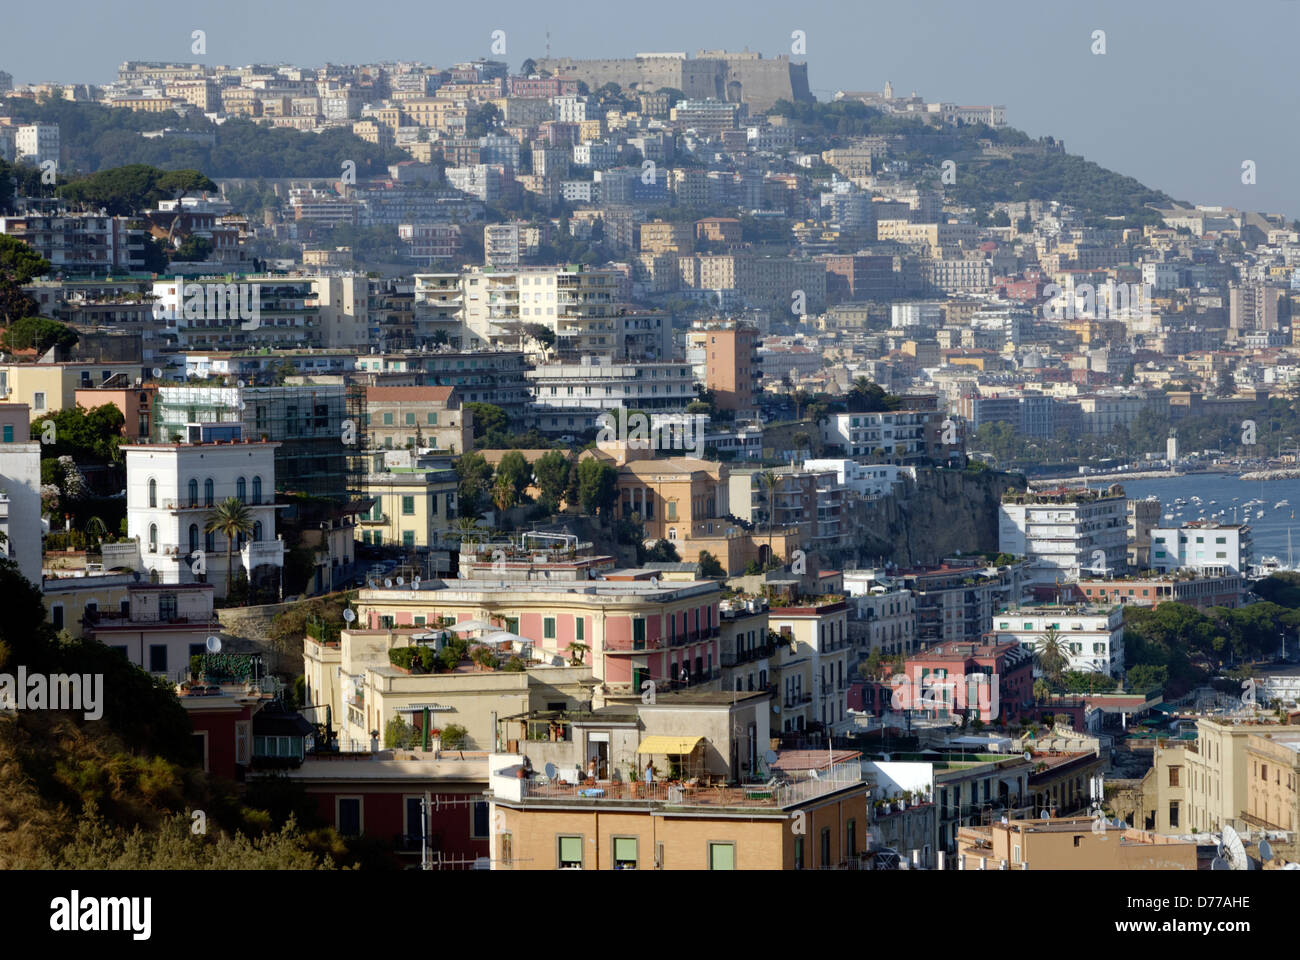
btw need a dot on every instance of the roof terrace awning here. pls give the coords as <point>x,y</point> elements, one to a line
<point>669,746</point>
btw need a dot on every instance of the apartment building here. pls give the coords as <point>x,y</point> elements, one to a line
<point>605,386</point>
<point>732,371</point>
<point>680,825</point>
<point>882,614</point>
<point>956,600</point>
<point>414,500</point>
<point>20,491</point>
<point>813,664</point>
<point>634,630</point>
<point>78,244</point>
<point>171,488</point>
<point>1143,515</point>
<point>1093,634</point>
<point>1203,545</point>
<point>157,627</point>
<point>425,417</point>
<point>898,436</point>
<point>1065,531</point>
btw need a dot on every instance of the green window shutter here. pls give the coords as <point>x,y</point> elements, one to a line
<point>408,506</point>
<point>548,628</point>
<point>571,849</point>
<point>579,628</point>
<point>408,538</point>
<point>388,419</point>
<point>625,848</point>
<point>410,419</point>
<point>722,856</point>
<point>433,419</point>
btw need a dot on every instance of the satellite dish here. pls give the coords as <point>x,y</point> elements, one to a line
<point>770,757</point>
<point>400,581</point>
<point>1044,815</point>
<point>415,580</point>
<point>240,384</point>
<point>776,708</point>
<point>214,644</point>
<point>1233,850</point>
<point>1028,755</point>
<point>349,616</point>
<point>388,582</point>
<point>157,372</point>
<point>1265,850</point>
<point>1218,863</point>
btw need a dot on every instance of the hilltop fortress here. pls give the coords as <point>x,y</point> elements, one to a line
<point>735,77</point>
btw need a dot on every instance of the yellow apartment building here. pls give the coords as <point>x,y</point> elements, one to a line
<point>808,824</point>
<point>1272,800</point>
<point>412,504</point>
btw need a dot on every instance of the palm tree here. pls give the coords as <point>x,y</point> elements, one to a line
<point>769,480</point>
<point>1050,654</point>
<point>503,494</point>
<point>230,518</point>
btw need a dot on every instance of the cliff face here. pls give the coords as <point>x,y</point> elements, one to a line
<point>943,512</point>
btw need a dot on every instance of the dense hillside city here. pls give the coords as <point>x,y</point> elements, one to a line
<point>404,464</point>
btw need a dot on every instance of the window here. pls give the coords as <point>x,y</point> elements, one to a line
<point>56,616</point>
<point>349,816</point>
<point>638,633</point>
<point>257,531</point>
<point>209,493</point>
<point>157,658</point>
<point>408,538</point>
<point>625,853</point>
<point>38,401</point>
<point>388,419</point>
<point>579,628</point>
<point>1173,776</point>
<point>570,853</point>
<point>257,489</point>
<point>798,847</point>
<point>722,856</point>
<point>408,506</point>
<point>194,493</point>
<point>433,419</point>
<point>548,628</point>
<point>241,490</point>
<point>242,728</point>
<point>153,492</point>
<point>851,837</point>
<point>153,538</point>
<point>194,538</point>
<point>826,847</point>
<point>1173,813</point>
<point>479,826</point>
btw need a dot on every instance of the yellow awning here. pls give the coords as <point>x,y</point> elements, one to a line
<point>669,746</point>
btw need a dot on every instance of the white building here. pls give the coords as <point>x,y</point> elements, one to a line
<point>20,505</point>
<point>171,488</point>
<point>159,627</point>
<point>1202,545</point>
<point>899,433</point>
<point>605,386</point>
<point>885,613</point>
<point>864,479</point>
<point>35,143</point>
<point>1062,532</point>
<point>1093,635</point>
<point>927,314</point>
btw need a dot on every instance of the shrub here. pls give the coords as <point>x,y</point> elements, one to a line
<point>454,736</point>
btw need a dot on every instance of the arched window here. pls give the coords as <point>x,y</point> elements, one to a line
<point>153,492</point>
<point>153,536</point>
<point>210,542</point>
<point>257,489</point>
<point>257,531</point>
<point>194,537</point>
<point>194,493</point>
<point>208,495</point>
<point>241,490</point>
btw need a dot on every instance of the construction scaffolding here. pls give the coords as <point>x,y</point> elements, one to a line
<point>305,419</point>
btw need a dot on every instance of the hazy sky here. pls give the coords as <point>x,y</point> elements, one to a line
<point>1185,92</point>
